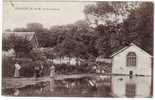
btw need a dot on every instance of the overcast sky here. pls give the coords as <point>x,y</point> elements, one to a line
<point>58,13</point>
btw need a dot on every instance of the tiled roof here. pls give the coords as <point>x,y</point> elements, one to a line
<point>121,50</point>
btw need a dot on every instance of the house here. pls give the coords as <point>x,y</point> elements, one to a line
<point>131,60</point>
<point>125,86</point>
<point>30,36</point>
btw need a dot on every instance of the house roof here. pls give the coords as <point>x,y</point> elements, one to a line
<point>27,35</point>
<point>126,47</point>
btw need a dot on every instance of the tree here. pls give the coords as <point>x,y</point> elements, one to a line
<point>57,35</point>
<point>7,30</point>
<point>38,55</point>
<point>82,25</point>
<point>6,44</point>
<point>107,13</point>
<point>103,42</point>
<point>20,30</point>
<point>139,26</point>
<point>41,33</point>
<point>72,48</point>
<point>119,19</point>
<point>35,27</point>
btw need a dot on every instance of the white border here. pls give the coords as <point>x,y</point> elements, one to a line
<point>78,0</point>
<point>62,98</point>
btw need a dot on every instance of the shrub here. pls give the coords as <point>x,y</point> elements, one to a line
<point>27,69</point>
<point>72,69</point>
<point>7,66</point>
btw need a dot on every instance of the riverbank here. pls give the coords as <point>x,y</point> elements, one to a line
<point>12,82</point>
<point>22,82</point>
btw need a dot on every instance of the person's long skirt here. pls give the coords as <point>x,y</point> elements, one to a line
<point>52,73</point>
<point>16,74</point>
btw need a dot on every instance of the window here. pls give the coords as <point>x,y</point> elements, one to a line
<point>131,59</point>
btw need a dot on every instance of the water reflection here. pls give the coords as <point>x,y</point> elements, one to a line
<point>131,86</point>
<point>16,92</point>
<point>130,89</point>
<point>97,86</point>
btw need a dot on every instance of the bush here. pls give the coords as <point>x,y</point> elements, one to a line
<point>72,69</point>
<point>27,69</point>
<point>7,66</point>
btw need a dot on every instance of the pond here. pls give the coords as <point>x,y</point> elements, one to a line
<point>97,86</point>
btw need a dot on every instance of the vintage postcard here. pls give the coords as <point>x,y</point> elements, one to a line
<point>77,48</point>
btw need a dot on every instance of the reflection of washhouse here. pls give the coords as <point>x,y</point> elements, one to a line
<point>103,86</point>
<point>124,86</point>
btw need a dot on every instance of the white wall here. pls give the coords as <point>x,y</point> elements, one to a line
<point>66,60</point>
<point>143,66</point>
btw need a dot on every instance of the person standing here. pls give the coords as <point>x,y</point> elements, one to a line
<point>37,71</point>
<point>41,69</point>
<point>17,68</point>
<point>52,71</point>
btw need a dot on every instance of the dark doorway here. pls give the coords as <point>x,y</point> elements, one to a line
<point>131,73</point>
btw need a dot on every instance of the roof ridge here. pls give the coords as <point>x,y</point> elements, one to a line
<point>121,50</point>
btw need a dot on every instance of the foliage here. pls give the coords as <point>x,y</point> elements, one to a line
<point>22,46</point>
<point>37,55</point>
<point>34,26</point>
<point>130,22</point>
<point>136,16</point>
<point>27,69</point>
<point>7,66</point>
<point>104,11</point>
<point>139,27</point>
<point>72,69</point>
<point>71,48</point>
<point>20,30</point>
<point>6,44</point>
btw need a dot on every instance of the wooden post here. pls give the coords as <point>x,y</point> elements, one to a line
<point>52,71</point>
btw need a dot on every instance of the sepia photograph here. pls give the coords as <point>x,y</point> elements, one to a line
<point>77,48</point>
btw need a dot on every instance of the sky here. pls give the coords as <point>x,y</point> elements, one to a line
<point>18,14</point>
